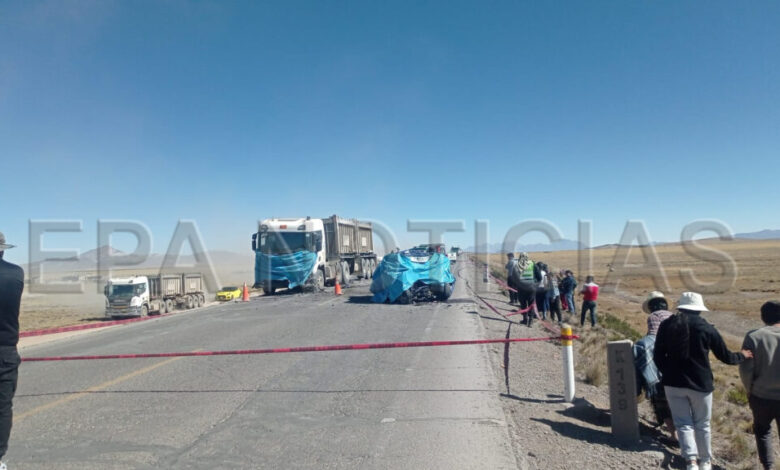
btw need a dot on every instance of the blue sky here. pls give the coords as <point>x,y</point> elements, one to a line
<point>229,112</point>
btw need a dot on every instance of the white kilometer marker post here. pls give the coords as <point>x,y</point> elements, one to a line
<point>568,363</point>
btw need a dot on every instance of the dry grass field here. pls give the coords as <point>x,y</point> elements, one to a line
<point>735,311</point>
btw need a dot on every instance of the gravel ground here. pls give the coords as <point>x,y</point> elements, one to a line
<point>547,432</point>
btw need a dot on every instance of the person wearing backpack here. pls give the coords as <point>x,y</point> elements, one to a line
<point>682,350</point>
<point>761,377</point>
<point>647,376</point>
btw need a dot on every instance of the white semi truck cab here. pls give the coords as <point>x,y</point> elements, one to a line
<point>127,296</point>
<point>343,248</point>
<point>138,296</point>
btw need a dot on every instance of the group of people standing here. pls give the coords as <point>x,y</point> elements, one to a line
<point>672,359</point>
<point>534,286</point>
<point>673,370</point>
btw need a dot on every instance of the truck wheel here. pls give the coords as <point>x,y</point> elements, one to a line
<point>161,310</point>
<point>202,299</point>
<point>144,311</point>
<point>169,305</point>
<point>319,280</point>
<point>196,298</point>
<point>345,277</point>
<point>190,302</point>
<point>365,267</point>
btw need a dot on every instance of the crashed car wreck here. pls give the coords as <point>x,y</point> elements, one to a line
<point>412,276</point>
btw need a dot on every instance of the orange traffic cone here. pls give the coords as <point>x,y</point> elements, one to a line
<point>338,288</point>
<point>245,297</point>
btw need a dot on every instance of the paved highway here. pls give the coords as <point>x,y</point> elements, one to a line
<point>401,408</point>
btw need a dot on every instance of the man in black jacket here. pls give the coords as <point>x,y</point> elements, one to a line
<point>11,286</point>
<point>682,351</point>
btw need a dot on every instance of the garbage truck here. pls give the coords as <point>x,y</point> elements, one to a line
<point>139,296</point>
<point>312,253</point>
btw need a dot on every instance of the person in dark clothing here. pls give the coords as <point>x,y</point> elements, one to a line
<point>11,287</point>
<point>567,286</point>
<point>542,299</point>
<point>511,265</point>
<point>648,378</point>
<point>682,349</point>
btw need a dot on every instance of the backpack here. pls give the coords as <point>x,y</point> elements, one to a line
<point>677,337</point>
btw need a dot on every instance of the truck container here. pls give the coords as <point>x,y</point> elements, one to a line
<point>341,249</point>
<point>147,295</point>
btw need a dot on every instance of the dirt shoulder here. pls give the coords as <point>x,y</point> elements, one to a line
<point>547,432</point>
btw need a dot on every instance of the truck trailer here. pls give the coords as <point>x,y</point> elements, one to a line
<point>139,296</point>
<point>312,253</point>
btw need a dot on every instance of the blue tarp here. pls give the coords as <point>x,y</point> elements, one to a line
<point>397,273</point>
<point>294,267</point>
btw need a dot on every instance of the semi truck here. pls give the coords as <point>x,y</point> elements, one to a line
<point>139,296</point>
<point>334,249</point>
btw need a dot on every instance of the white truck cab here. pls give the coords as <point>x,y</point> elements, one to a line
<point>343,247</point>
<point>284,236</point>
<point>138,296</point>
<point>127,296</point>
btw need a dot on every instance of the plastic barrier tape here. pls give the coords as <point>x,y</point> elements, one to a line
<point>343,347</point>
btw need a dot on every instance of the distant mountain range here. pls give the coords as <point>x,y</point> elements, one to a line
<point>88,261</point>
<point>762,235</point>
<point>561,245</point>
<point>565,245</point>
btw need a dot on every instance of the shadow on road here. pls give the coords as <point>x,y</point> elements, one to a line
<point>587,412</point>
<point>360,299</point>
<point>503,320</point>
<point>550,398</point>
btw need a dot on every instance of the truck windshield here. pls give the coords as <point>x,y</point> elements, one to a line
<point>121,290</point>
<point>277,243</point>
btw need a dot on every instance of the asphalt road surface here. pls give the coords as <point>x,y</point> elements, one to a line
<point>401,408</point>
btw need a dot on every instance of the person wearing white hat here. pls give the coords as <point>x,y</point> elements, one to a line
<point>11,287</point>
<point>682,350</point>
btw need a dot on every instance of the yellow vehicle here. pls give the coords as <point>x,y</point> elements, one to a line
<point>229,293</point>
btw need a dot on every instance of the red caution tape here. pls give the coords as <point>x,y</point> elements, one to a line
<point>344,347</point>
<point>488,304</point>
<point>503,284</point>
<point>522,310</point>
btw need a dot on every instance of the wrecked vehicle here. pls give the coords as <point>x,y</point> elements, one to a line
<point>413,276</point>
